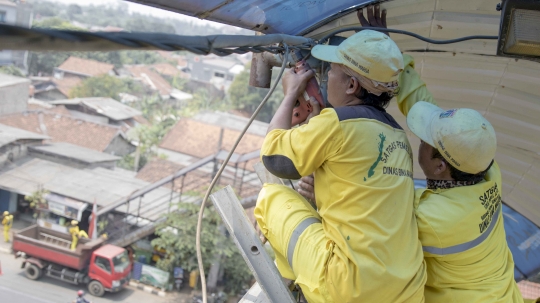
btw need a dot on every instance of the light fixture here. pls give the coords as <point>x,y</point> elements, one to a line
<point>519,35</point>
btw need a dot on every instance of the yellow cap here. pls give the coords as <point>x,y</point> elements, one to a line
<point>370,53</point>
<point>462,135</point>
<point>74,222</point>
<point>6,213</point>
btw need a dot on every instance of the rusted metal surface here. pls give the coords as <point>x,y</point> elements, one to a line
<point>260,74</point>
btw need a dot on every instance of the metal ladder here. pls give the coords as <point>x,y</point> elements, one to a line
<point>54,240</point>
<point>270,286</point>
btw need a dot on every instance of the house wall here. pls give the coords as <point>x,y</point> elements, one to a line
<point>119,147</point>
<point>8,14</point>
<point>15,150</point>
<point>51,95</point>
<point>21,15</point>
<point>14,98</point>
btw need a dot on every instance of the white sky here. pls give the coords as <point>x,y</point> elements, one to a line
<point>147,10</point>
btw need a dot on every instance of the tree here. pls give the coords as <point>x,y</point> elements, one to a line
<point>56,23</point>
<point>73,9</point>
<point>11,70</point>
<point>105,86</point>
<point>177,237</point>
<point>247,98</point>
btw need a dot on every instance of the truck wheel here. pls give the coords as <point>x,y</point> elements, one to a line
<point>96,289</point>
<point>32,272</point>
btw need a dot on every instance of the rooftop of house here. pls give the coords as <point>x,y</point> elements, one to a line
<point>166,69</point>
<point>228,64</point>
<point>8,80</point>
<point>158,169</point>
<point>104,106</point>
<point>75,152</point>
<point>63,128</point>
<point>66,84</point>
<point>201,139</point>
<point>232,121</point>
<point>10,134</point>
<point>101,185</point>
<point>150,78</point>
<point>85,67</point>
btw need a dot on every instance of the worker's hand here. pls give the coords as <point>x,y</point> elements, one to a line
<point>295,84</point>
<point>375,18</point>
<point>306,187</point>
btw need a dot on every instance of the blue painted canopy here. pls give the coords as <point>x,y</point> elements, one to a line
<point>294,17</point>
<point>524,241</point>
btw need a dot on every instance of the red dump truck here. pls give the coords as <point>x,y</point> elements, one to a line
<point>103,267</point>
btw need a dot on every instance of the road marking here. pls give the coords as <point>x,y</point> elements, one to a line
<point>36,299</point>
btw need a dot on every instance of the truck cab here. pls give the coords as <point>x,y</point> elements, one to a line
<point>110,266</point>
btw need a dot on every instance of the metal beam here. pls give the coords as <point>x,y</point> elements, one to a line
<point>251,248</point>
<point>157,184</point>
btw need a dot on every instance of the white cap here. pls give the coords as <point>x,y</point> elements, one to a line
<point>463,136</point>
<point>370,53</point>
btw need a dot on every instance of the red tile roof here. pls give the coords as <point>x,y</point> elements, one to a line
<point>86,67</point>
<point>64,129</point>
<point>196,180</point>
<point>66,84</point>
<point>200,140</point>
<point>151,78</point>
<point>165,69</point>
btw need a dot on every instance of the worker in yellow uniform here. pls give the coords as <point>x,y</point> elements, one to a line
<point>76,234</point>
<point>459,214</point>
<point>361,244</point>
<point>7,221</point>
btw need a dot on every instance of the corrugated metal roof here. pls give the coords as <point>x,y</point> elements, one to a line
<point>7,80</point>
<point>102,185</point>
<point>107,107</point>
<point>75,152</point>
<point>10,134</point>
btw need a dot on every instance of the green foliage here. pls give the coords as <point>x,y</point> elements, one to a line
<point>105,86</point>
<point>37,199</point>
<point>203,100</point>
<point>236,273</point>
<point>162,118</point>
<point>11,70</point>
<point>247,98</point>
<point>177,237</point>
<point>56,23</point>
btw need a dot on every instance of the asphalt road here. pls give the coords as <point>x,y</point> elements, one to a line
<point>16,288</point>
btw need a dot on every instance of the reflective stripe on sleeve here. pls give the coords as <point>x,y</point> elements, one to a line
<point>296,234</point>
<point>468,245</point>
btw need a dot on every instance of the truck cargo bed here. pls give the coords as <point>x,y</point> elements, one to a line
<point>53,246</point>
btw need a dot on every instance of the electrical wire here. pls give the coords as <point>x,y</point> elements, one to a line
<point>399,31</point>
<point>286,49</point>
<point>218,174</point>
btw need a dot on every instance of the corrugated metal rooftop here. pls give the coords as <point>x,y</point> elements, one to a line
<point>107,107</point>
<point>10,134</point>
<point>66,150</point>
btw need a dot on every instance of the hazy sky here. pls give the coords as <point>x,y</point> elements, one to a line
<point>143,9</point>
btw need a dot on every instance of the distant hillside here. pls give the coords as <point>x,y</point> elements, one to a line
<point>117,15</point>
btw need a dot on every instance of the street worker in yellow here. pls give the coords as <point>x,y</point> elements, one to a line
<point>76,234</point>
<point>7,221</point>
<point>361,243</point>
<point>459,214</point>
